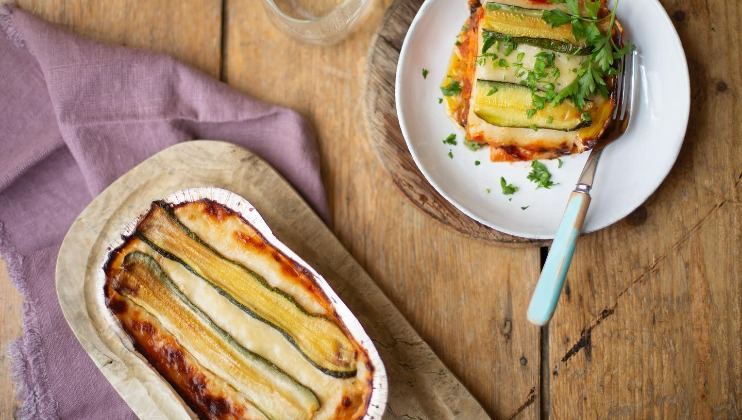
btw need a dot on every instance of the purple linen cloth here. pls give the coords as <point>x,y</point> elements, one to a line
<point>74,116</point>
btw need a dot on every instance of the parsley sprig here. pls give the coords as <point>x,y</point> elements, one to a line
<point>591,76</point>
<point>540,175</point>
<point>507,189</point>
<point>452,89</point>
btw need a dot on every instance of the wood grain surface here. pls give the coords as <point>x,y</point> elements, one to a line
<point>649,325</point>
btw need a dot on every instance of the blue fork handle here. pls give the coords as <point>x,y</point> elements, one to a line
<point>549,285</point>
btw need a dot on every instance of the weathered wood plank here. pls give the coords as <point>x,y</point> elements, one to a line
<point>10,319</point>
<point>190,31</point>
<point>465,297</point>
<point>650,324</point>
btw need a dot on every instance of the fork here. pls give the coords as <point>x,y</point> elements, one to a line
<point>549,286</point>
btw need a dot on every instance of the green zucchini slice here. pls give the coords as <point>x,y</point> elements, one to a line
<point>543,43</point>
<point>525,23</point>
<point>271,390</point>
<point>506,105</point>
<point>317,337</point>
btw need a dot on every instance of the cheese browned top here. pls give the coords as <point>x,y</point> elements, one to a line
<point>238,329</point>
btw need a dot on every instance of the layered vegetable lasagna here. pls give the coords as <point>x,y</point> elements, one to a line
<point>527,77</point>
<point>235,326</point>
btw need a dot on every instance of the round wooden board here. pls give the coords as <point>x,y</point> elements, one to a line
<point>387,139</point>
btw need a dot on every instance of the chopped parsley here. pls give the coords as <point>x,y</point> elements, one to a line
<point>540,175</point>
<point>507,189</point>
<point>452,89</point>
<point>450,154</point>
<point>477,163</point>
<point>458,43</point>
<point>487,190</point>
<point>560,163</point>
<point>523,208</point>
<point>451,139</point>
<point>472,145</point>
<point>440,100</point>
<point>425,73</point>
<point>489,40</point>
<point>492,91</point>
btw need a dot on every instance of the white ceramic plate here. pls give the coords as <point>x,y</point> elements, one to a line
<point>629,172</point>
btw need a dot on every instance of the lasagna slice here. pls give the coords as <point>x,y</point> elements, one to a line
<point>507,67</point>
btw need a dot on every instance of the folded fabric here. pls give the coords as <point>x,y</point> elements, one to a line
<point>74,116</point>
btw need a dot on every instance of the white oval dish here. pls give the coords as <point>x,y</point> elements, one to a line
<point>630,170</point>
<point>247,211</point>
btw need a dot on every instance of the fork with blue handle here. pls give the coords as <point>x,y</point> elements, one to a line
<point>550,283</point>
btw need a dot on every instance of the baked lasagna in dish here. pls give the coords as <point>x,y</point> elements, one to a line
<point>512,77</point>
<point>239,329</point>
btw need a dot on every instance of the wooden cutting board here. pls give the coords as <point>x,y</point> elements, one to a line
<point>386,136</point>
<point>420,386</point>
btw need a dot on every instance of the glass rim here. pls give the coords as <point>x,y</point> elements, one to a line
<point>328,17</point>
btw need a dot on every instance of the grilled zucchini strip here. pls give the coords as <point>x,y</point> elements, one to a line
<point>505,105</point>
<point>543,43</point>
<point>317,337</point>
<point>207,394</point>
<point>525,23</point>
<point>271,390</point>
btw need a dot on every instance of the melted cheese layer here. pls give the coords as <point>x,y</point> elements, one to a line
<point>490,69</point>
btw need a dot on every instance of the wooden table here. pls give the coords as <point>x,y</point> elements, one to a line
<point>650,321</point>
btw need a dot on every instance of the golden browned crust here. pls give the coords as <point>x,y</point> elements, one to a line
<point>208,395</point>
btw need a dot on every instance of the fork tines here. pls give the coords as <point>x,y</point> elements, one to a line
<point>625,88</point>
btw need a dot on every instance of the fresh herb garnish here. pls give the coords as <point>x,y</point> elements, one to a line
<point>488,39</point>
<point>487,190</point>
<point>560,163</point>
<point>425,73</point>
<point>492,91</point>
<point>450,154</point>
<point>472,145</point>
<point>540,175</point>
<point>452,89</point>
<point>523,208</point>
<point>477,163</point>
<point>507,189</point>
<point>451,139</point>
<point>440,100</point>
<point>592,73</point>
